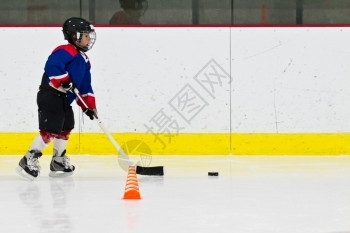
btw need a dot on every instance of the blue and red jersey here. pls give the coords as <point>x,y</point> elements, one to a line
<point>67,64</point>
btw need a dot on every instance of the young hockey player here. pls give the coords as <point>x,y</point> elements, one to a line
<point>67,67</point>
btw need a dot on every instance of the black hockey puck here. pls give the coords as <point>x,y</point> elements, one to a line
<point>150,171</point>
<point>213,173</point>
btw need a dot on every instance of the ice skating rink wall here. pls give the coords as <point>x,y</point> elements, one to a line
<point>192,90</point>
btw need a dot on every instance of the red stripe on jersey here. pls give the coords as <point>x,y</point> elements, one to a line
<point>89,100</point>
<point>67,47</point>
<point>56,81</point>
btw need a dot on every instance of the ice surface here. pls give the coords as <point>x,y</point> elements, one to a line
<point>259,194</point>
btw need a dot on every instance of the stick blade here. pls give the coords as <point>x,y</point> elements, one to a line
<point>150,171</point>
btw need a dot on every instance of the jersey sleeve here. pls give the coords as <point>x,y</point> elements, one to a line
<point>56,64</point>
<point>87,95</point>
<point>79,71</point>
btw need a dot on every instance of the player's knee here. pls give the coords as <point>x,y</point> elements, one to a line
<point>47,136</point>
<point>64,135</point>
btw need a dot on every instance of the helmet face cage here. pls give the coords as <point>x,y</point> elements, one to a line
<point>92,36</point>
<point>74,29</point>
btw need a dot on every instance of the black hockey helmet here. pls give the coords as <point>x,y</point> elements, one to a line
<point>73,29</point>
<point>134,4</point>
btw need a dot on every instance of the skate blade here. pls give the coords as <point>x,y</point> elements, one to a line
<point>20,171</point>
<point>60,174</point>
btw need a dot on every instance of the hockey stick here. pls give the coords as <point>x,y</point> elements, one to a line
<point>139,169</point>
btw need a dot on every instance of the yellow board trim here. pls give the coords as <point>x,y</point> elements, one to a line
<point>192,143</point>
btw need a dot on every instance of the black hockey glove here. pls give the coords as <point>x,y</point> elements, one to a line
<point>90,113</point>
<point>68,86</point>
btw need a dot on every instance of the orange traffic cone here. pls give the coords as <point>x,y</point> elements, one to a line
<point>132,185</point>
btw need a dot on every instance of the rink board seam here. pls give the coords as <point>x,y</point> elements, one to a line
<point>192,143</point>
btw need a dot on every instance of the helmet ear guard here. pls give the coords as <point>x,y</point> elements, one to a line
<point>65,34</point>
<point>71,37</point>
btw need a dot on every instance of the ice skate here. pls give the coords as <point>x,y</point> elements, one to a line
<point>29,167</point>
<point>60,165</point>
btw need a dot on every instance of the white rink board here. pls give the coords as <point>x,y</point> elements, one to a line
<point>297,77</point>
<point>283,79</point>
